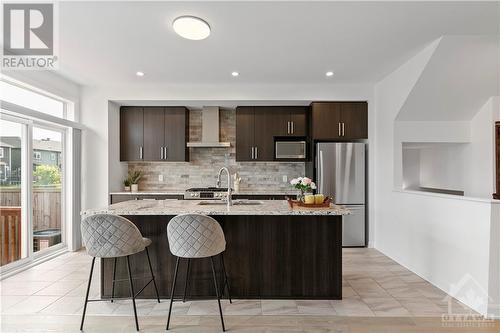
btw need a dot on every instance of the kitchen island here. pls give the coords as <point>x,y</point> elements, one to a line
<point>272,251</point>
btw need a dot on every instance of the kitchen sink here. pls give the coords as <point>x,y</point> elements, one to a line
<point>235,203</point>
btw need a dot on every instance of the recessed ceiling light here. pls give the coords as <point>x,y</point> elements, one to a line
<point>139,73</point>
<point>329,73</point>
<point>191,27</point>
<point>235,74</point>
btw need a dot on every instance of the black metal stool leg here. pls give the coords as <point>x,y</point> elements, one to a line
<point>132,293</point>
<point>217,293</point>
<point>187,279</point>
<point>226,281</point>
<point>153,276</point>
<point>114,277</point>
<point>87,294</point>
<point>172,291</point>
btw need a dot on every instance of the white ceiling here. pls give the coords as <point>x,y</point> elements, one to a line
<point>105,43</point>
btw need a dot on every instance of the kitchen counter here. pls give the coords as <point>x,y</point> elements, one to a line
<point>272,252</point>
<point>211,207</point>
<point>181,192</point>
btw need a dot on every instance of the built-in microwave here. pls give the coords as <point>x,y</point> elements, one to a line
<point>290,150</point>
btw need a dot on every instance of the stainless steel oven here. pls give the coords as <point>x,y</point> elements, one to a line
<point>290,150</point>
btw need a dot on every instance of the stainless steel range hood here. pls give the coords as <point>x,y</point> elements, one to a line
<point>209,129</point>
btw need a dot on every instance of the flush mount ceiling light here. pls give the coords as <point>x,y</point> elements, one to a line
<point>235,74</point>
<point>329,74</point>
<point>191,27</point>
<point>139,73</point>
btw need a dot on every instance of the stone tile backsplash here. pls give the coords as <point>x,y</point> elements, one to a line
<point>205,162</point>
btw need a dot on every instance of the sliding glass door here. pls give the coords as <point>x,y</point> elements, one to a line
<point>13,217</point>
<point>32,206</point>
<point>47,187</point>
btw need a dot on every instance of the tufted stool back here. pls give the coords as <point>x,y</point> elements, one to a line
<point>111,236</point>
<point>195,236</point>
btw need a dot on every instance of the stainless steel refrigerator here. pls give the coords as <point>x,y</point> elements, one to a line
<point>340,173</point>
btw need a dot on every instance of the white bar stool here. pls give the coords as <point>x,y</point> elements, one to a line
<point>195,236</point>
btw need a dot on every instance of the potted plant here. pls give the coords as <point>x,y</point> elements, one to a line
<point>126,185</point>
<point>134,177</point>
<point>304,184</point>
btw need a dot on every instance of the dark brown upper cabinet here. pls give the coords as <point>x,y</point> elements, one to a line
<point>245,133</point>
<point>286,120</point>
<point>256,127</point>
<point>298,120</point>
<point>154,127</point>
<point>131,133</point>
<point>154,134</point>
<point>339,120</point>
<point>176,134</point>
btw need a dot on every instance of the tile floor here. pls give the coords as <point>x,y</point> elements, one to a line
<point>376,290</point>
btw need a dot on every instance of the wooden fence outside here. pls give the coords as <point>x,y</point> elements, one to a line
<point>10,234</point>
<point>46,206</point>
<point>46,215</point>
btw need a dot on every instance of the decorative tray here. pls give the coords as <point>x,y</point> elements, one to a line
<point>299,204</point>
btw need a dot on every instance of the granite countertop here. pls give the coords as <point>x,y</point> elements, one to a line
<point>181,192</point>
<point>176,207</point>
<point>167,192</point>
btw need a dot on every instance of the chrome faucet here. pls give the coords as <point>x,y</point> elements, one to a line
<point>229,199</point>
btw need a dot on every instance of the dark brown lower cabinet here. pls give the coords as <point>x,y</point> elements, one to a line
<point>116,198</point>
<point>278,256</point>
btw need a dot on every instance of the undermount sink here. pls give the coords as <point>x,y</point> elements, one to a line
<point>235,203</point>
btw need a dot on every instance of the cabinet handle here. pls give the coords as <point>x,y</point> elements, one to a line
<point>251,149</point>
<point>340,129</point>
<point>165,153</point>
<point>161,153</point>
<point>293,125</point>
<point>140,153</point>
<point>288,128</point>
<point>343,129</point>
<point>256,152</point>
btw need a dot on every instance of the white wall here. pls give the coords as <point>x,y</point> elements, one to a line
<point>433,165</point>
<point>479,162</point>
<point>94,115</point>
<point>441,238</point>
<point>451,155</point>
<point>442,166</point>
<point>117,170</point>
<point>411,167</point>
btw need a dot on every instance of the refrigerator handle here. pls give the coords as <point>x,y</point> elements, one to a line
<point>320,171</point>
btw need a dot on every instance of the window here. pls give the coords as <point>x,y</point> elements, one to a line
<point>24,97</point>
<point>1,152</point>
<point>3,172</point>
<point>33,177</point>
